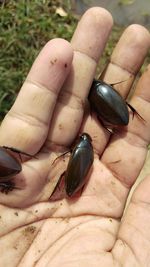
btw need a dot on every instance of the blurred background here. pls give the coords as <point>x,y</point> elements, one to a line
<point>124,12</point>
<point>25,26</point>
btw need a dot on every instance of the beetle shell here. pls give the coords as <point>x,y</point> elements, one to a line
<point>9,165</point>
<point>80,162</point>
<point>108,103</point>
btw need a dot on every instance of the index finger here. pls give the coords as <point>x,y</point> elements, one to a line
<point>27,123</point>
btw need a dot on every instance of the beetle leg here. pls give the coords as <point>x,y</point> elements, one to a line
<point>112,84</point>
<point>82,189</point>
<point>135,112</point>
<point>60,156</point>
<point>60,179</point>
<point>77,194</point>
<point>108,127</point>
<point>7,186</point>
<point>16,150</point>
<point>100,120</point>
<point>20,157</point>
<point>58,185</point>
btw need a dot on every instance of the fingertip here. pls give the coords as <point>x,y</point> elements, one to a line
<point>92,32</point>
<point>52,65</point>
<point>139,31</point>
<point>62,47</point>
<point>98,13</point>
<point>132,48</point>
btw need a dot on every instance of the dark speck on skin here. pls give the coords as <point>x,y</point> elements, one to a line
<point>30,229</point>
<point>15,247</point>
<point>16,213</point>
<point>36,211</point>
<point>113,183</point>
<point>60,126</point>
<point>66,65</point>
<point>53,61</point>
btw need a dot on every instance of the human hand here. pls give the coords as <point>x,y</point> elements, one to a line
<point>86,231</point>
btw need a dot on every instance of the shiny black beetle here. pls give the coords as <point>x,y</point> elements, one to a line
<point>109,105</point>
<point>9,167</point>
<point>80,162</point>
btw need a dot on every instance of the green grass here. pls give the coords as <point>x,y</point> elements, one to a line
<point>25,26</point>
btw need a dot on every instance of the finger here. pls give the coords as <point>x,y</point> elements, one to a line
<point>128,57</point>
<point>125,62</point>
<point>135,224</point>
<point>29,118</point>
<point>88,46</point>
<point>125,155</point>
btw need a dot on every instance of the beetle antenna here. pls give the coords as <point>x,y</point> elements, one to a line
<point>58,185</point>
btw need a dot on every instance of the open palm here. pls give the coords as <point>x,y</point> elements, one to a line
<point>46,118</point>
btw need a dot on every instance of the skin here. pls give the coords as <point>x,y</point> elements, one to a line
<point>92,229</point>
